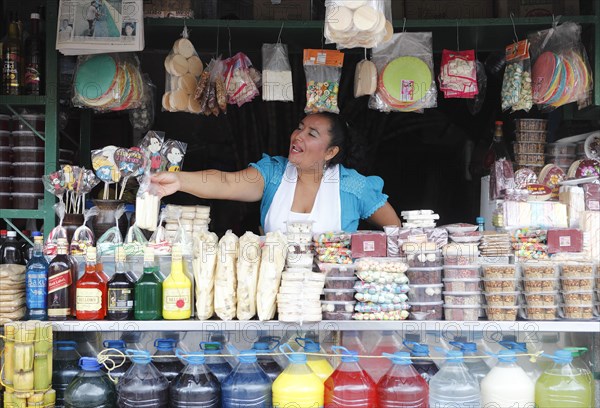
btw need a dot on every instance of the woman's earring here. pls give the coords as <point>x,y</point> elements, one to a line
<point>324,167</point>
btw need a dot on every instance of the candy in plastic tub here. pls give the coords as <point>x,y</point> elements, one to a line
<point>462,285</point>
<point>395,315</point>
<point>462,298</point>
<point>339,295</point>
<point>501,298</point>
<point>425,293</point>
<point>462,312</point>
<point>382,277</point>
<point>339,283</point>
<point>424,276</point>
<point>432,310</point>
<point>502,313</point>
<point>392,265</point>
<point>337,270</point>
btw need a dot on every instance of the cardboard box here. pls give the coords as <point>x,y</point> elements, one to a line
<point>369,244</point>
<point>282,10</point>
<point>565,240</point>
<point>448,9</point>
<point>168,9</point>
<point>537,8</point>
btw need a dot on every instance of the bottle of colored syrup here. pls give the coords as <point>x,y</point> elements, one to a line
<point>319,364</point>
<point>349,385</point>
<point>91,291</point>
<point>177,290</point>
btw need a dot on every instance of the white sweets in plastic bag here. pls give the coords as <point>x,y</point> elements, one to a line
<point>247,275</point>
<point>206,245</point>
<point>225,279</point>
<point>272,262</point>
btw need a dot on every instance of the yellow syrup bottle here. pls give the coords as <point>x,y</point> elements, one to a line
<point>177,290</point>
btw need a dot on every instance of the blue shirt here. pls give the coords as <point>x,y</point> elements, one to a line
<point>360,196</point>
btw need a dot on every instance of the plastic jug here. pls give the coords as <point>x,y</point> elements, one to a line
<point>91,388</point>
<point>424,366</point>
<point>453,385</point>
<point>352,341</point>
<point>247,386</point>
<point>168,366</point>
<point>580,362</point>
<point>266,362</point>
<point>195,386</point>
<point>349,385</point>
<point>507,385</point>
<point>377,367</point>
<point>142,386</point>
<point>217,364</point>
<point>402,385</point>
<point>533,370</point>
<point>563,385</point>
<point>298,385</point>
<point>119,371</point>
<point>477,367</point>
<point>65,367</point>
<point>319,364</point>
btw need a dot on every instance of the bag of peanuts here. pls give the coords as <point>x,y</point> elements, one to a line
<point>516,85</point>
<point>183,70</point>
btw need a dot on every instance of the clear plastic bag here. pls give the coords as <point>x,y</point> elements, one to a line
<point>204,264</point>
<point>135,241</point>
<point>225,281</point>
<point>142,118</point>
<point>240,83</point>
<point>516,85</point>
<point>277,82</point>
<point>323,70</point>
<point>108,82</point>
<point>458,74</point>
<point>248,264</point>
<point>274,253</point>
<point>211,95</point>
<point>158,241</point>
<point>172,154</point>
<point>365,78</point>
<point>358,23</point>
<point>476,103</point>
<point>83,237</point>
<point>151,145</point>
<point>147,203</point>
<point>112,238</point>
<point>405,70</point>
<point>58,232</point>
<point>183,69</point>
<point>561,72</point>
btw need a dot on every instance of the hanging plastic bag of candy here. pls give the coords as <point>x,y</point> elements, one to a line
<point>112,238</point>
<point>358,23</point>
<point>277,82</point>
<point>58,232</point>
<point>516,86</point>
<point>159,240</point>
<point>83,237</point>
<point>151,146</point>
<point>561,72</point>
<point>103,163</point>
<point>142,118</point>
<point>476,103</point>
<point>405,74</point>
<point>458,74</point>
<point>172,153</point>
<point>108,82</point>
<point>183,69</point>
<point>323,70</point>
<point>211,96</point>
<point>239,83</point>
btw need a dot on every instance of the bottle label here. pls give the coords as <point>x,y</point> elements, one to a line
<point>36,290</point>
<point>59,281</point>
<point>120,300</point>
<point>59,312</point>
<point>88,299</point>
<point>176,300</point>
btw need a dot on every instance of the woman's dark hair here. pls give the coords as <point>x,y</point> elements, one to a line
<point>342,136</point>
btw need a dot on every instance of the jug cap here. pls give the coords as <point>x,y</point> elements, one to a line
<point>465,347</point>
<point>264,344</point>
<point>193,358</point>
<point>505,356</point>
<point>89,364</point>
<point>417,349</point>
<point>211,347</point>
<point>454,356</point>
<point>116,344</point>
<point>294,357</point>
<point>577,351</point>
<point>165,344</point>
<point>348,356</point>
<point>65,345</point>
<point>308,345</point>
<point>247,356</point>
<point>139,356</point>
<point>562,356</point>
<point>513,345</point>
<point>36,234</point>
<point>400,357</point>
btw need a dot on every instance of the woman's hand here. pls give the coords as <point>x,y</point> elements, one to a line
<point>166,183</point>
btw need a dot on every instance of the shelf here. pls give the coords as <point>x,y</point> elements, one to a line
<point>22,100</point>
<point>23,214</point>
<point>275,326</point>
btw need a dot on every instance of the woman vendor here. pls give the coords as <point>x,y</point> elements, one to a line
<point>311,184</point>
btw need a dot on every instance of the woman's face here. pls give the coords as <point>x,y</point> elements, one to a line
<point>309,143</point>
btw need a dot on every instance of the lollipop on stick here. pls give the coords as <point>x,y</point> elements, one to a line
<point>129,163</point>
<point>103,162</point>
<point>55,184</point>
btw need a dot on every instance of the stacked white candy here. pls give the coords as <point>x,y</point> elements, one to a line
<point>358,23</point>
<point>419,219</point>
<point>300,251</point>
<point>194,219</point>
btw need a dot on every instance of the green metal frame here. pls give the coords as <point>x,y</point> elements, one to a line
<point>45,211</point>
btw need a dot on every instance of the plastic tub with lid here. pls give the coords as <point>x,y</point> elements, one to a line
<point>5,200</point>
<point>28,154</point>
<point>425,293</point>
<point>502,313</point>
<point>26,201</point>
<point>426,311</point>
<point>339,295</point>
<point>6,169</point>
<point>4,122</point>
<point>36,121</point>
<point>28,185</point>
<point>5,154</point>
<point>530,312</point>
<point>26,138</point>
<point>4,138</point>
<point>462,312</point>
<point>424,276</point>
<point>340,283</point>
<point>28,169</point>
<point>555,149</point>
<point>462,285</point>
<point>462,271</point>
<point>337,270</point>
<point>5,184</point>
